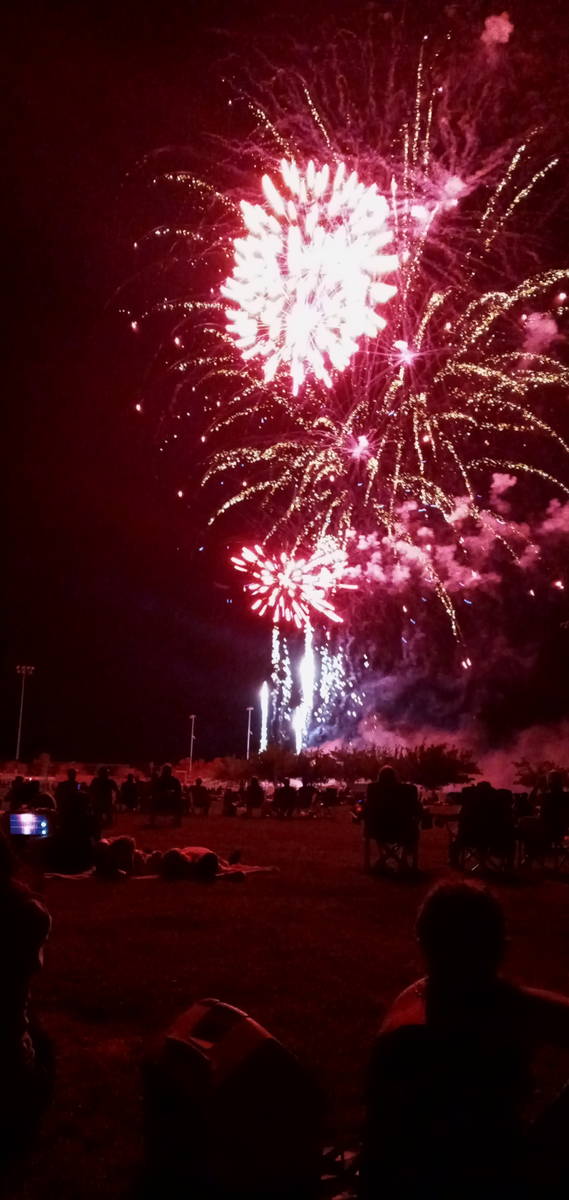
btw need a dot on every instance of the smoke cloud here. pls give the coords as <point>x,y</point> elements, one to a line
<point>497,30</point>
<point>537,744</point>
<point>506,579</point>
<point>540,331</point>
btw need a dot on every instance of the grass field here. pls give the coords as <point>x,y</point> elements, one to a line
<point>315,952</point>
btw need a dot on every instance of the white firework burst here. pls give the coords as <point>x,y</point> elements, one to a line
<point>309,274</point>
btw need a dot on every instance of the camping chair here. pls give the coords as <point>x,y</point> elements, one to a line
<point>397,847</point>
<point>484,854</point>
<point>537,850</point>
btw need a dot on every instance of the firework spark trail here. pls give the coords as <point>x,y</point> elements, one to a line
<point>419,401</point>
<point>427,409</point>
<point>307,671</point>
<point>264,700</point>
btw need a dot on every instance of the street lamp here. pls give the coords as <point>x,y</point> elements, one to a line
<point>192,724</point>
<point>249,711</point>
<point>23,671</point>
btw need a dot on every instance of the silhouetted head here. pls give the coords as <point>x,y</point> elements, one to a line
<point>254,779</point>
<point>166,771</point>
<point>72,774</point>
<point>461,931</point>
<point>18,781</point>
<point>103,772</point>
<point>286,782</point>
<point>484,788</point>
<point>555,781</point>
<point>130,778</point>
<point>388,778</point>
<point>198,783</point>
<point>34,787</point>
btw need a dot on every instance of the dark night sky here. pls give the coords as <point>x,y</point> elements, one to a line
<point>125,626</point>
<point>126,631</point>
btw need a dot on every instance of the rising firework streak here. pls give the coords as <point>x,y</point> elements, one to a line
<point>264,697</point>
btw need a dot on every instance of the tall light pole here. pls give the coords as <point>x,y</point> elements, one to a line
<point>23,671</point>
<point>192,725</point>
<point>249,711</point>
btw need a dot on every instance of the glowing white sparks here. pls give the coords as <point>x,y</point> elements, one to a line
<point>308,275</point>
<point>264,702</point>
<point>405,354</point>
<point>307,671</point>
<point>292,588</point>
<point>360,447</point>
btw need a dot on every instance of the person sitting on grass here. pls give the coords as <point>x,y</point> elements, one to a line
<point>129,793</point>
<point>451,1071</point>
<point>392,817</point>
<point>103,792</point>
<point>25,1060</point>
<point>542,833</point>
<point>486,824</point>
<point>77,829</point>
<point>555,809</point>
<point>229,803</point>
<point>201,799</point>
<point>166,796</point>
<point>254,796</point>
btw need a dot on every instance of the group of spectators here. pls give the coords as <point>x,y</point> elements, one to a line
<point>96,803</point>
<point>282,799</point>
<point>450,1079</point>
<point>488,821</point>
<point>493,821</point>
<point>450,1073</point>
<point>103,797</point>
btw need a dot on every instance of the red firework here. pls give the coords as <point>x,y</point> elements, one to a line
<point>292,589</point>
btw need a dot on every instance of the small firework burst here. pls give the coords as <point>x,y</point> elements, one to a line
<point>293,590</point>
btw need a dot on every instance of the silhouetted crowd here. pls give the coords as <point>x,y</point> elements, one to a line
<point>489,828</point>
<point>451,1076</point>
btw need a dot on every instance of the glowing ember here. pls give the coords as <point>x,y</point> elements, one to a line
<point>360,447</point>
<point>308,274</point>
<point>406,354</point>
<point>291,588</point>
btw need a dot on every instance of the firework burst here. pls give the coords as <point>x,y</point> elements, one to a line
<point>293,590</point>
<point>401,421</point>
<point>309,274</point>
